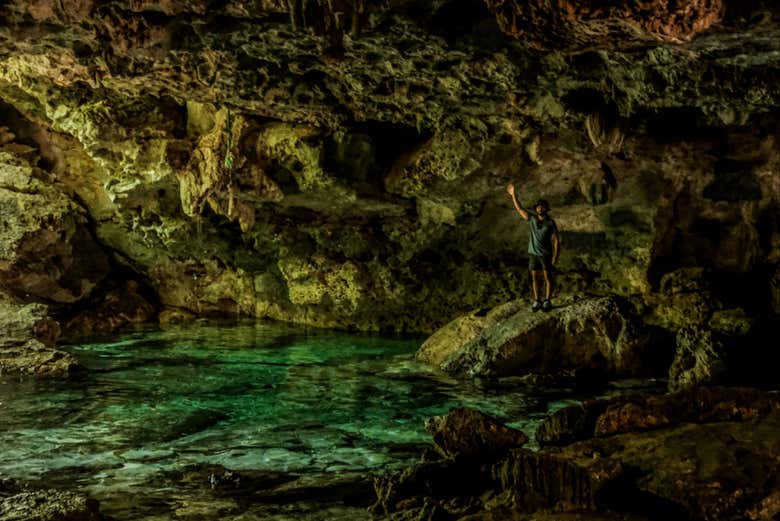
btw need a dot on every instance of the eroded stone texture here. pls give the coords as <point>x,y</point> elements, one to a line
<point>46,252</point>
<point>343,163</point>
<point>49,505</point>
<point>578,24</point>
<point>714,457</point>
<point>601,334</point>
<point>468,432</point>
<point>27,337</point>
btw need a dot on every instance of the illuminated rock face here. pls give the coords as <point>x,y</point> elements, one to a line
<point>581,24</point>
<point>249,159</point>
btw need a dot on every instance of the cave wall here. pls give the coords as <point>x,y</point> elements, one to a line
<point>345,164</point>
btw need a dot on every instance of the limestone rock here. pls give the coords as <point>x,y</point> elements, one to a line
<point>19,322</point>
<point>640,413</point>
<point>714,457</point>
<point>27,336</point>
<point>595,333</point>
<point>49,505</point>
<point>701,358</point>
<point>470,433</point>
<point>121,306</point>
<point>46,250</point>
<point>574,25</point>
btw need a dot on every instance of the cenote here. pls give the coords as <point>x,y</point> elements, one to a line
<point>247,421</point>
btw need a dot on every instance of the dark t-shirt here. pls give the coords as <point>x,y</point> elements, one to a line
<point>540,241</point>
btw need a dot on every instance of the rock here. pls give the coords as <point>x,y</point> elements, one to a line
<point>708,454</point>
<point>578,25</point>
<point>640,413</point>
<point>462,330</point>
<point>27,336</point>
<point>49,505</point>
<point>472,434</point>
<point>428,483</point>
<point>596,333</point>
<point>46,250</point>
<point>21,322</point>
<point>540,480</point>
<point>175,316</point>
<point>32,358</point>
<point>701,358</point>
<point>120,307</point>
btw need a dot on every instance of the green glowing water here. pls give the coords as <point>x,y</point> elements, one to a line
<point>305,419</point>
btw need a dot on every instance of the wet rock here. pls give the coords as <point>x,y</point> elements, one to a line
<point>49,505</point>
<point>708,454</point>
<point>27,336</point>
<point>428,486</point>
<point>641,413</point>
<point>600,334</point>
<point>120,307</point>
<point>471,433</point>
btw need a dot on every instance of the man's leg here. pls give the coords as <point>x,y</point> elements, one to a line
<point>536,280</point>
<point>535,283</point>
<point>548,284</point>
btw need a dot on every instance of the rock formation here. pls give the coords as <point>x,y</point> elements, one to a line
<point>343,163</point>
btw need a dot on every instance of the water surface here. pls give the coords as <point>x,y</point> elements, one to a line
<point>248,421</point>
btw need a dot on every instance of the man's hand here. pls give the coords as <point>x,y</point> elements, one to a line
<point>510,188</point>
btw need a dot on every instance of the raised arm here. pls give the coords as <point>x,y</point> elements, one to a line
<point>522,211</point>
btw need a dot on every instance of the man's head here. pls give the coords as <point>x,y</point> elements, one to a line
<point>542,206</point>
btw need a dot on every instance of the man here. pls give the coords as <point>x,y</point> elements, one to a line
<point>543,248</point>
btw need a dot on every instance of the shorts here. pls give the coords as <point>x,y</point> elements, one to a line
<point>539,262</point>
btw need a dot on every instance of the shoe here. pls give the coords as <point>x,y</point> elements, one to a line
<point>537,305</point>
<point>546,305</point>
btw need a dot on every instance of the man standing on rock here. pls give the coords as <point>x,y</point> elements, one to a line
<point>543,248</point>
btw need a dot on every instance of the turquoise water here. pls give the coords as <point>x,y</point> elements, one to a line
<point>249,421</point>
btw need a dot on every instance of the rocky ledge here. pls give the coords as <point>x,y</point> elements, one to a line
<point>698,454</point>
<point>27,337</point>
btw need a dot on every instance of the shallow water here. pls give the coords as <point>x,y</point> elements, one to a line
<point>304,419</point>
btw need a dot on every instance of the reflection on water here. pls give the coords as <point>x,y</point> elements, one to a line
<point>305,418</point>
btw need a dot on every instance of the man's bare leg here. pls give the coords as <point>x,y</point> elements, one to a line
<point>548,285</point>
<point>535,276</point>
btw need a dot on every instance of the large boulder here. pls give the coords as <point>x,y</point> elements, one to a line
<point>598,333</point>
